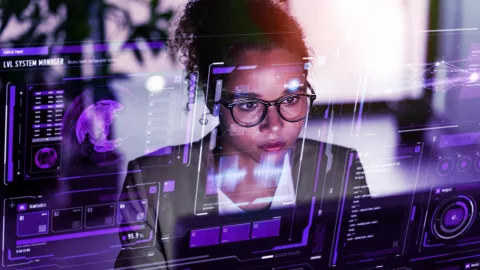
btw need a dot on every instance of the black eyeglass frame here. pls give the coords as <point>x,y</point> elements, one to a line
<point>267,104</point>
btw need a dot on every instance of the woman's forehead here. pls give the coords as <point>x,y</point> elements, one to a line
<point>267,78</point>
<point>261,78</point>
<point>266,57</point>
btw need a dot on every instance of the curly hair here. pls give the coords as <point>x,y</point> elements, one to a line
<point>216,30</point>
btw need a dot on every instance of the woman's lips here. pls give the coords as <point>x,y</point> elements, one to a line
<point>272,146</point>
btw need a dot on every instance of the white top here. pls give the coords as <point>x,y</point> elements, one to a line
<point>284,194</point>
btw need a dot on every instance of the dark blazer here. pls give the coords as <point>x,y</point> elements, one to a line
<point>319,167</point>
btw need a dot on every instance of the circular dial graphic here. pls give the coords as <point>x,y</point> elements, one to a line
<point>477,164</point>
<point>96,121</point>
<point>464,163</point>
<point>445,166</point>
<point>45,158</point>
<point>453,217</point>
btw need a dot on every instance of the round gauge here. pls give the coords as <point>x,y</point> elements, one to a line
<point>453,217</point>
<point>477,164</point>
<point>464,163</point>
<point>445,166</point>
<point>46,157</point>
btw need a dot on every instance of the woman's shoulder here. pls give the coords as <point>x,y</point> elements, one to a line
<point>311,143</point>
<point>311,146</point>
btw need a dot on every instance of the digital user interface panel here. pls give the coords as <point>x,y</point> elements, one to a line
<point>58,230</point>
<point>142,181</point>
<point>73,126</point>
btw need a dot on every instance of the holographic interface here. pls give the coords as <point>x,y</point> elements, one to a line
<point>240,134</point>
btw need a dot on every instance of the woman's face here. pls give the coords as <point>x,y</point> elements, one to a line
<point>273,136</point>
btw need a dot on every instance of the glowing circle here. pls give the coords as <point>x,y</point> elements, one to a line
<point>477,164</point>
<point>453,217</point>
<point>464,163</point>
<point>45,158</point>
<point>293,85</point>
<point>95,121</point>
<point>474,77</point>
<point>155,83</point>
<point>445,166</point>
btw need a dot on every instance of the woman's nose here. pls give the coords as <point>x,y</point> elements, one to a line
<point>272,122</point>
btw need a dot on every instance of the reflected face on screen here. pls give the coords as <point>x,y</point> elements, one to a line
<point>273,136</point>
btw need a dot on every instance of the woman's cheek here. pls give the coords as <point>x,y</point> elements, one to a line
<point>294,130</point>
<point>251,137</point>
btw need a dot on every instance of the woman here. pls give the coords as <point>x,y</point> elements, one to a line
<point>246,33</point>
<point>254,164</point>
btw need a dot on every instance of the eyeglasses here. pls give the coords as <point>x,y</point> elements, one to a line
<point>251,112</point>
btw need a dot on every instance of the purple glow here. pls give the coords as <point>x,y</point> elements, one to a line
<point>23,51</point>
<point>10,134</point>
<point>48,107</point>
<point>427,245</point>
<point>223,70</point>
<point>305,231</point>
<point>152,190</point>
<point>264,229</point>
<point>445,166</point>
<point>464,163</point>
<point>21,207</point>
<point>235,233</point>
<point>412,216</point>
<point>453,217</point>
<point>325,116</point>
<point>186,148</point>
<point>95,121</point>
<point>459,139</point>
<point>347,177</point>
<point>132,211</point>
<point>204,237</point>
<point>169,186</point>
<point>35,223</point>
<point>79,48</point>
<point>45,158</point>
<point>51,125</point>
<point>246,67</point>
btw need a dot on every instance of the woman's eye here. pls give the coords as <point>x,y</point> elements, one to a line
<point>290,100</point>
<point>249,105</point>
